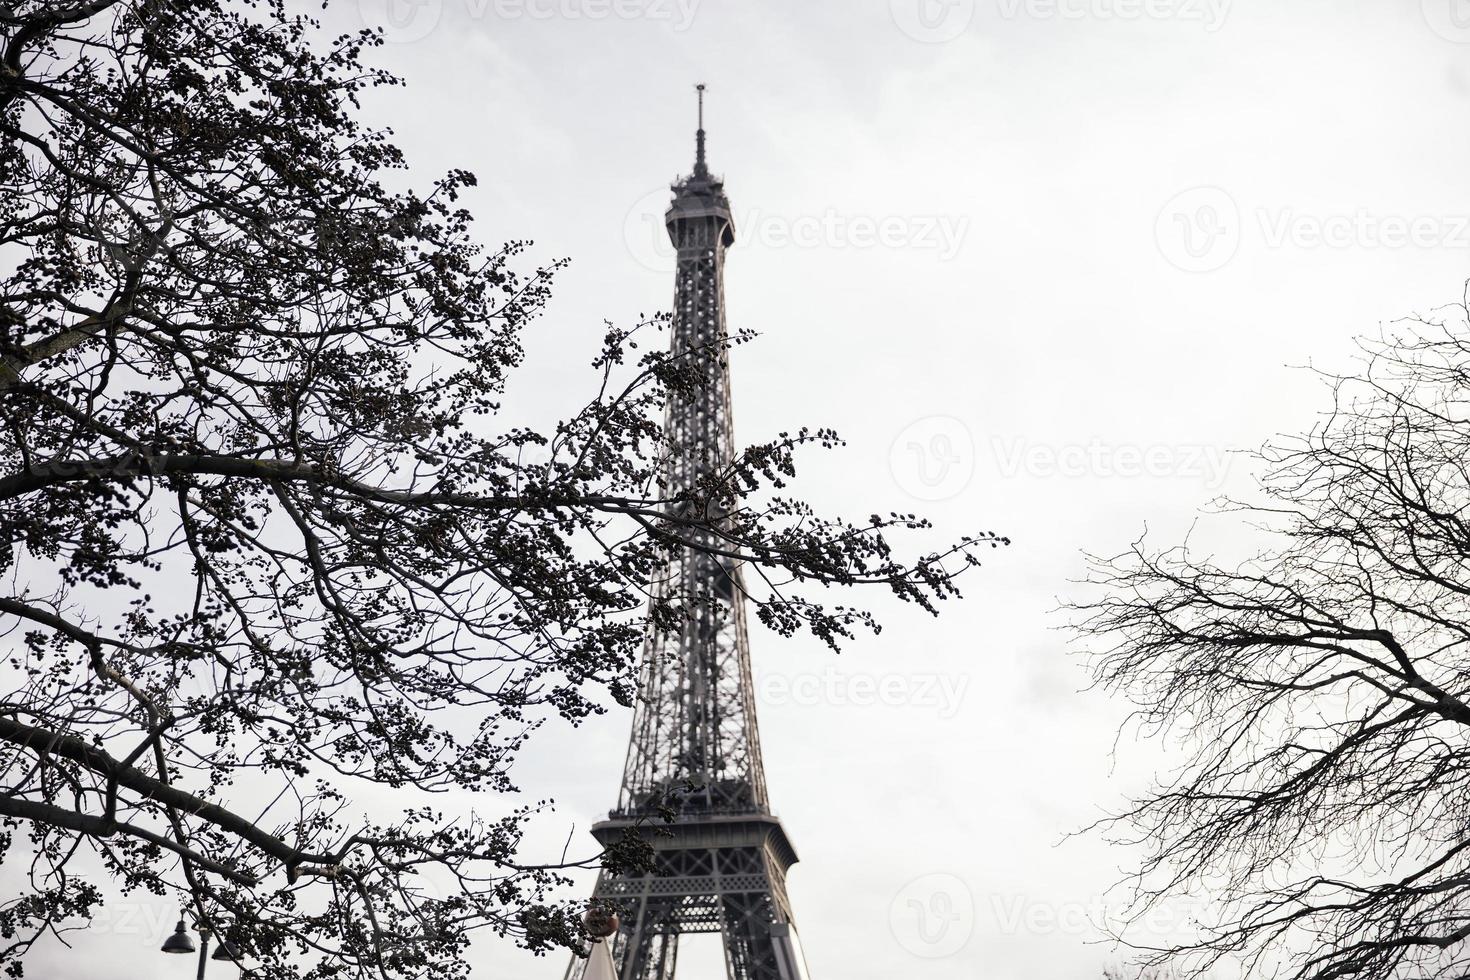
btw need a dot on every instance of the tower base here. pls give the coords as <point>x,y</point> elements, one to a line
<point>722,873</point>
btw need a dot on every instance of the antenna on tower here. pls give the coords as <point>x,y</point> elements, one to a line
<point>699,165</point>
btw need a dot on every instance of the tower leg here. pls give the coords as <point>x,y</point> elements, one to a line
<point>735,890</point>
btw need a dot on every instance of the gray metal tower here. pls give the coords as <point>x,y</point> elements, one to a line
<point>721,865</point>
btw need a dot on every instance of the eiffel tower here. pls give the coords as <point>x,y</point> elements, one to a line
<point>721,865</point>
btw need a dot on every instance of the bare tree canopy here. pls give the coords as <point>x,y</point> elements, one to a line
<point>1321,690</point>
<point>266,544</point>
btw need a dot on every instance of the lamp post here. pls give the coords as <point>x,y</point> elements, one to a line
<point>182,944</point>
<point>601,924</point>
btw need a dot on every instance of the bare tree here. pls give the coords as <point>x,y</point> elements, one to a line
<point>267,547</point>
<point>1320,691</point>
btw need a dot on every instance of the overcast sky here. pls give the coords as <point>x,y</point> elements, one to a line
<point>1044,265</point>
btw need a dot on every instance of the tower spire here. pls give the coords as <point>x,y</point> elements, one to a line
<point>701,169</point>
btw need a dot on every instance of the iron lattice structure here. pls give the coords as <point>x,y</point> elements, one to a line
<point>721,865</point>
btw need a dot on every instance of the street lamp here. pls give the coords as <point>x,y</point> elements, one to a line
<point>227,951</point>
<point>181,943</point>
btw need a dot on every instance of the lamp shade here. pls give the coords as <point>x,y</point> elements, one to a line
<point>226,950</point>
<point>180,942</point>
<point>600,922</point>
